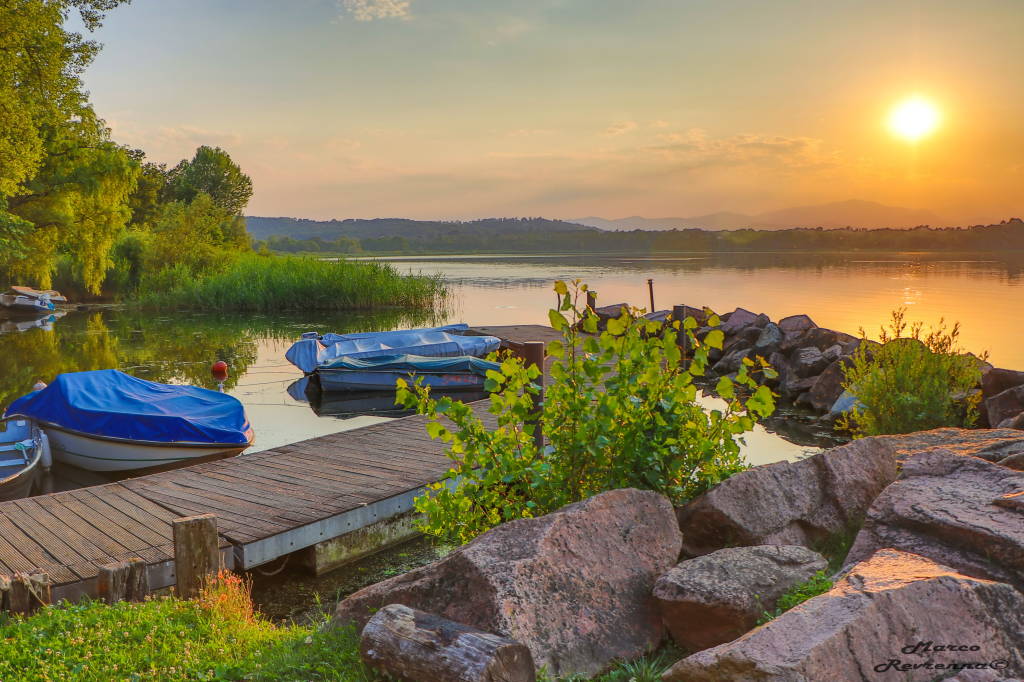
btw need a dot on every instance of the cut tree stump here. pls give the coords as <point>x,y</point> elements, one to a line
<point>123,581</point>
<point>196,552</point>
<point>414,646</point>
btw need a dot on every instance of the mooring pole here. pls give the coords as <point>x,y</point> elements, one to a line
<point>533,354</point>
<point>650,289</point>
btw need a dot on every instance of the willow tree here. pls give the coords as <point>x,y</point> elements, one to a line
<point>64,184</point>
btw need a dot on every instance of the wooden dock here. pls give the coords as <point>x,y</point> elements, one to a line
<point>268,504</point>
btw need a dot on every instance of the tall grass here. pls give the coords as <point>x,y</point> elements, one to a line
<point>272,283</point>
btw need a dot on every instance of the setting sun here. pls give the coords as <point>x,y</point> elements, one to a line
<point>914,119</point>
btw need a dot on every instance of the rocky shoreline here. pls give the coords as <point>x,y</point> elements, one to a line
<point>934,522</point>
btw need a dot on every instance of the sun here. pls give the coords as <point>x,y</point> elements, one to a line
<point>914,118</point>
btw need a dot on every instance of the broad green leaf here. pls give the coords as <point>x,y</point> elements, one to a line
<point>560,288</point>
<point>724,388</point>
<point>715,338</point>
<point>558,321</point>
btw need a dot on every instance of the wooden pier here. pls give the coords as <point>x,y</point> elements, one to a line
<point>268,504</point>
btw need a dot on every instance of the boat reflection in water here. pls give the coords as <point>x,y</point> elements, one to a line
<point>364,403</point>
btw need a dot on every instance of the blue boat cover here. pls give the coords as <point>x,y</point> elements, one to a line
<point>309,353</point>
<point>110,403</point>
<point>413,363</point>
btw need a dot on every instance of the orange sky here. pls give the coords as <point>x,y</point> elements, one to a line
<point>566,108</point>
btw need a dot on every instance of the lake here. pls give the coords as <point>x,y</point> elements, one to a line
<point>983,292</point>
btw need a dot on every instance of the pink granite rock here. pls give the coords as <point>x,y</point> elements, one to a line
<point>884,620</point>
<point>574,586</point>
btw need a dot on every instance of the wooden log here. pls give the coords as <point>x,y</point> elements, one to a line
<point>112,581</point>
<point>414,646</point>
<point>196,554</point>
<point>138,580</point>
<point>533,354</point>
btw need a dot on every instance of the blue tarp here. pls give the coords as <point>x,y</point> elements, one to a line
<point>309,353</point>
<point>414,363</point>
<point>110,403</point>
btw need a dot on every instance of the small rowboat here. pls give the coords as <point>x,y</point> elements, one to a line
<point>381,373</point>
<point>26,304</point>
<point>21,450</point>
<point>49,294</point>
<point>106,420</point>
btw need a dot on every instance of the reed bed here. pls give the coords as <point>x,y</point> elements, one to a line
<point>273,283</point>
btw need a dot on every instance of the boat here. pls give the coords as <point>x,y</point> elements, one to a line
<point>21,450</point>
<point>365,403</point>
<point>49,294</point>
<point>314,350</point>
<point>380,373</point>
<point>44,322</point>
<point>106,420</point>
<point>19,303</point>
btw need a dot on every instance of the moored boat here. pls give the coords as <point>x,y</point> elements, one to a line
<point>21,450</point>
<point>48,294</point>
<point>382,372</point>
<point>106,420</point>
<point>314,350</point>
<point>20,303</point>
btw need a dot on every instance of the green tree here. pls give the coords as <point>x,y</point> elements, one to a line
<point>146,201</point>
<point>63,183</point>
<point>199,236</point>
<point>211,171</point>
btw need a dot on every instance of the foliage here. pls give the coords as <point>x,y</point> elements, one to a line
<point>212,172</point>
<point>622,411</point>
<point>272,283</point>
<point>912,382</point>
<point>819,583</point>
<point>647,668</point>
<point>199,236</point>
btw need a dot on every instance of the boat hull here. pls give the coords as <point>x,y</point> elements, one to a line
<point>100,454</point>
<point>357,380</point>
<point>16,483</point>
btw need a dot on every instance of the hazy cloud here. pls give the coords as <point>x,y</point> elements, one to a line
<point>369,10</point>
<point>620,128</point>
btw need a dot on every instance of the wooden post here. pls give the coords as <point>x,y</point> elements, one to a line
<point>41,587</point>
<point>19,596</point>
<point>413,645</point>
<point>592,300</point>
<point>5,588</point>
<point>650,289</point>
<point>196,552</point>
<point>112,582</point>
<point>533,354</point>
<point>138,579</point>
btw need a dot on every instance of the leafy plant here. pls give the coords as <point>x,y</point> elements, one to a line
<point>911,382</point>
<point>819,583</point>
<point>621,411</point>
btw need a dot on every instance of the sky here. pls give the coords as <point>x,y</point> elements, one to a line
<point>458,109</point>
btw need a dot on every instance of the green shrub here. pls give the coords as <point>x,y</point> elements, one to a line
<point>911,382</point>
<point>621,412</point>
<point>263,283</point>
<point>819,583</point>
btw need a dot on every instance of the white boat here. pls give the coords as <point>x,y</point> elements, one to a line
<point>26,304</point>
<point>49,294</point>
<point>100,453</point>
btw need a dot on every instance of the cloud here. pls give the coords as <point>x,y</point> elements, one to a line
<point>620,128</point>
<point>369,10</point>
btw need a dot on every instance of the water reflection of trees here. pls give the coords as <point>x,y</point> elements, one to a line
<point>175,348</point>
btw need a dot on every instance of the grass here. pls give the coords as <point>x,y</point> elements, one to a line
<point>219,636</point>
<point>272,283</point>
<point>819,583</point>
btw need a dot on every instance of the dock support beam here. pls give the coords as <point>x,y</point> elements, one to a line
<point>196,552</point>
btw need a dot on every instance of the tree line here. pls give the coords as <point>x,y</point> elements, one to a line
<point>77,209</point>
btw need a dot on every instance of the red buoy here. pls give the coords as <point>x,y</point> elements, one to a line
<point>219,370</point>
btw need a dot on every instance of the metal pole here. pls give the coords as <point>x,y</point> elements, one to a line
<point>533,354</point>
<point>650,288</point>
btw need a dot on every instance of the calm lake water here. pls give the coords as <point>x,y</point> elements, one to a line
<point>983,292</point>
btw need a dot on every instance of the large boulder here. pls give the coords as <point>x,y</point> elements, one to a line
<point>733,359</point>
<point>768,340</point>
<point>574,586</point>
<point>962,511</point>
<point>808,362</point>
<point>828,386</point>
<point>1003,407</point>
<point>892,617</point>
<point>717,597</point>
<point>796,323</point>
<point>741,319</point>
<point>996,380</point>
<point>803,502</point>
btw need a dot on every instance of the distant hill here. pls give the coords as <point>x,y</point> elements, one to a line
<point>853,213</point>
<point>413,230</point>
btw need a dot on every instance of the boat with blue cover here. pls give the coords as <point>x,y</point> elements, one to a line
<point>106,420</point>
<point>449,341</point>
<point>382,372</point>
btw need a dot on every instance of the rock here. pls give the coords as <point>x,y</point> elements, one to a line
<point>843,404</point>
<point>828,386</point>
<point>790,503</point>
<point>997,380</point>
<point>732,360</point>
<point>1005,405</point>
<point>962,511</point>
<point>808,361</point>
<point>822,338</point>
<point>717,597</point>
<point>740,319</point>
<point>833,352</point>
<point>412,645</point>
<point>658,316</point>
<point>802,502</point>
<point>1015,462</point>
<point>681,312</point>
<point>796,386</point>
<point>768,340</point>
<point>781,365</point>
<point>796,323</point>
<point>744,338</point>
<point>1013,422</point>
<point>574,586</point>
<point>892,610</point>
